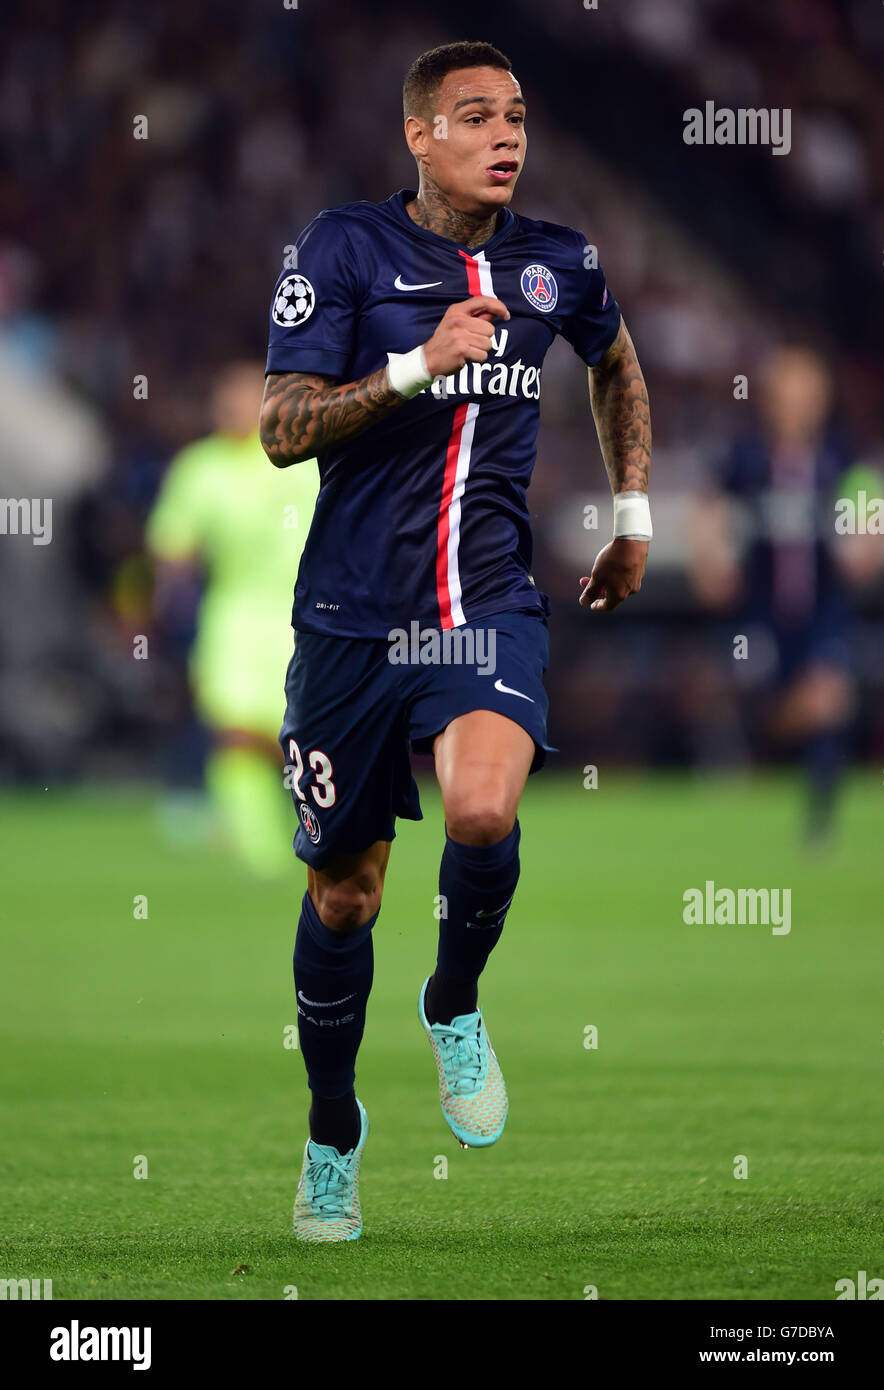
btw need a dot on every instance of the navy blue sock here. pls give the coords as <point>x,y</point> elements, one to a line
<point>333,976</point>
<point>476,885</point>
<point>825,757</point>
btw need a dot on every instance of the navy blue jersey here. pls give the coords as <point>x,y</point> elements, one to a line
<point>424,515</point>
<point>791,578</point>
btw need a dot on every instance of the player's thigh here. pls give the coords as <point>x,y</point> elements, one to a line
<point>347,890</point>
<point>344,737</point>
<point>482,763</point>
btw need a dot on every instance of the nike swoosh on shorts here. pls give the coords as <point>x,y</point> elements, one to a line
<point>506,690</point>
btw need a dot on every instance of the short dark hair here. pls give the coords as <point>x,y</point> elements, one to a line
<point>427,73</point>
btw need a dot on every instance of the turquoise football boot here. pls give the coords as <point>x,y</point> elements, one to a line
<point>327,1204</point>
<point>471,1087</point>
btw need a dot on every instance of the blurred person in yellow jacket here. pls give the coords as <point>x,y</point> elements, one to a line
<point>222,509</point>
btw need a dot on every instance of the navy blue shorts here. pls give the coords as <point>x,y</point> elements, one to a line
<point>353,713</point>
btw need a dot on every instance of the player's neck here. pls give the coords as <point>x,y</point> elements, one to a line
<point>432,210</point>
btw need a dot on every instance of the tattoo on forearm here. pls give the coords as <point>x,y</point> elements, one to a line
<point>619,401</point>
<point>304,413</point>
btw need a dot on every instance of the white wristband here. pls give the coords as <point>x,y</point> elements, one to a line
<point>407,372</point>
<point>632,517</point>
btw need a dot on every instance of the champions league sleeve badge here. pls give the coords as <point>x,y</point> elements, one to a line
<point>539,288</point>
<point>294,301</point>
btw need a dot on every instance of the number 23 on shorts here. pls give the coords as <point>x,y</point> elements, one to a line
<point>323,788</point>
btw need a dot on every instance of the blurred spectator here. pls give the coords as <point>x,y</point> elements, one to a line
<point>790,592</point>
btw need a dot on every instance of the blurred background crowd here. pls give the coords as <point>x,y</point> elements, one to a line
<point>124,258</point>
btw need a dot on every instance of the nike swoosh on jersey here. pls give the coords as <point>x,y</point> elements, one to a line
<point>506,690</point>
<point>399,285</point>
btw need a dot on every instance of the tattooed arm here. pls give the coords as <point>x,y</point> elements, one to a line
<point>619,401</point>
<point>303,413</point>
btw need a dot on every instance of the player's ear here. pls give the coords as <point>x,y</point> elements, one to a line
<point>416,137</point>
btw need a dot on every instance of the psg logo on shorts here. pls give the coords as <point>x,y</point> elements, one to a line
<point>539,288</point>
<point>294,301</point>
<point>310,823</point>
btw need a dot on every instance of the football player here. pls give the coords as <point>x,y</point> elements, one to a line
<point>406,349</point>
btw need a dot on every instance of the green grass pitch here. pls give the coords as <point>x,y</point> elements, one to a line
<point>164,1038</point>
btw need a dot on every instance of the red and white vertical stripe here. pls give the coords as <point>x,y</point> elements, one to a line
<point>457,468</point>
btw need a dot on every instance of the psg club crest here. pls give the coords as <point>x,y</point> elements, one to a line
<point>539,288</point>
<point>294,302</point>
<point>310,822</point>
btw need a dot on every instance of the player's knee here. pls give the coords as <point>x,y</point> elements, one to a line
<point>483,820</point>
<point>349,904</point>
<point>822,700</point>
